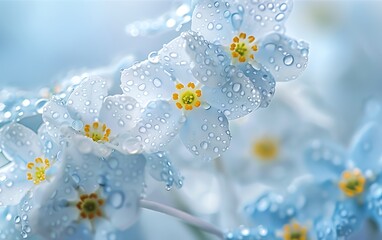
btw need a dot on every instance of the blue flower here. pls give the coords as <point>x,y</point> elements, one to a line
<point>175,107</point>
<point>98,123</point>
<point>235,26</point>
<point>355,174</point>
<point>90,196</point>
<point>32,160</point>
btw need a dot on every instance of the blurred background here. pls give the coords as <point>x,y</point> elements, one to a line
<point>43,43</point>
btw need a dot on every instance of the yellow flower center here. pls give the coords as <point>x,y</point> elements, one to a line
<point>295,231</point>
<point>243,48</point>
<point>90,206</point>
<point>36,170</point>
<point>187,97</point>
<point>266,149</point>
<point>97,132</point>
<point>352,183</point>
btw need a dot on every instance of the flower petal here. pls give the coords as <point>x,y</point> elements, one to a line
<point>160,123</point>
<point>219,21</point>
<point>366,152</point>
<point>270,210</point>
<point>125,180</point>
<point>374,202</point>
<point>13,184</point>
<point>86,100</point>
<point>325,230</point>
<point>161,169</point>
<point>56,116</point>
<point>147,81</point>
<point>213,20</point>
<point>206,133</point>
<point>236,98</point>
<point>51,148</point>
<point>284,57</point>
<point>262,80</point>
<point>325,160</point>
<point>120,113</point>
<point>347,218</point>
<point>19,144</point>
<point>190,53</point>
<point>265,16</point>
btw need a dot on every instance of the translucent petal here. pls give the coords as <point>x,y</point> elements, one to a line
<point>19,143</point>
<point>13,184</point>
<point>120,113</point>
<point>325,160</point>
<point>236,98</point>
<point>56,116</point>
<point>219,21</point>
<point>374,202</point>
<point>324,230</point>
<point>312,199</point>
<point>124,181</point>
<point>190,53</point>
<point>366,152</point>
<point>284,57</point>
<point>50,147</point>
<point>262,81</point>
<point>270,210</point>
<point>160,123</point>
<point>260,232</point>
<point>213,20</point>
<point>86,100</point>
<point>147,81</point>
<point>264,16</point>
<point>206,132</point>
<point>347,218</point>
<point>162,169</point>
<point>175,59</point>
<point>210,61</point>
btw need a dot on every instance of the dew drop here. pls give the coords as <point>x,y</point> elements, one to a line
<point>279,17</point>
<point>116,199</point>
<point>157,82</point>
<point>153,57</point>
<point>236,20</point>
<point>288,60</point>
<point>236,87</point>
<point>210,26</point>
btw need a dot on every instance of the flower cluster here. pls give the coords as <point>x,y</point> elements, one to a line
<point>83,174</point>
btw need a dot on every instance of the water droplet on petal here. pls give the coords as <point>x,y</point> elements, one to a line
<point>116,199</point>
<point>288,60</point>
<point>236,20</point>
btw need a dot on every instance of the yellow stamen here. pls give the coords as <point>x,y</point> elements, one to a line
<point>266,149</point>
<point>188,97</point>
<point>96,133</point>
<point>352,183</point>
<point>90,206</point>
<point>295,231</point>
<point>36,170</point>
<point>243,48</point>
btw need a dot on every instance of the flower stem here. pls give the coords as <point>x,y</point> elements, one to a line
<point>189,219</point>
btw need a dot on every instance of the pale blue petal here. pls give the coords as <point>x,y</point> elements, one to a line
<point>86,100</point>
<point>284,57</point>
<point>213,20</point>
<point>162,169</point>
<point>56,116</point>
<point>312,199</point>
<point>206,133</point>
<point>245,233</point>
<point>262,81</point>
<point>211,62</point>
<point>366,151</point>
<point>120,113</point>
<point>236,98</point>
<point>19,143</point>
<point>271,210</point>
<point>124,182</point>
<point>374,202</point>
<point>147,81</point>
<point>324,230</point>
<point>264,16</point>
<point>347,218</point>
<point>190,53</point>
<point>325,160</point>
<point>50,148</point>
<point>175,58</point>
<point>219,21</point>
<point>161,121</point>
<point>13,184</point>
